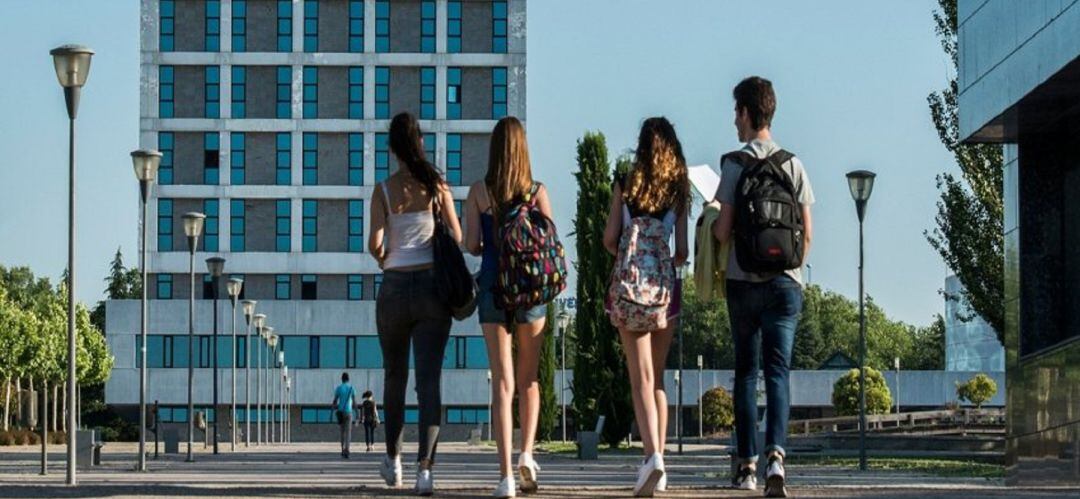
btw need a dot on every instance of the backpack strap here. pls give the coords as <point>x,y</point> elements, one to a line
<point>530,198</point>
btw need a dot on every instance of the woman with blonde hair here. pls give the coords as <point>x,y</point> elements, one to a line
<point>506,186</point>
<point>648,207</point>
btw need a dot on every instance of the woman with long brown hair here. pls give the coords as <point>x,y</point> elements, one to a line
<point>657,189</point>
<point>408,309</point>
<point>508,183</point>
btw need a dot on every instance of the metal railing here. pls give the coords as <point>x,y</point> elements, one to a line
<point>840,424</point>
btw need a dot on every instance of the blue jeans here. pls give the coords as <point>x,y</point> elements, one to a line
<point>763,320</point>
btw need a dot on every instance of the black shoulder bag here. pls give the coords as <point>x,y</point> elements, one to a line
<point>454,283</point>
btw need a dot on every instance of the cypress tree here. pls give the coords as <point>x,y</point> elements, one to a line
<point>600,385</point>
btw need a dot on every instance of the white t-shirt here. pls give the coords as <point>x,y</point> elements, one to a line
<point>730,171</point>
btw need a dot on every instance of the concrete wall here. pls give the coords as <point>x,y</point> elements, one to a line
<point>333,159</point>
<point>474,157</point>
<point>261,26</point>
<point>404,89</point>
<point>334,26</point>
<point>476,27</point>
<point>476,93</point>
<point>190,26</point>
<point>404,26</point>
<point>333,227</point>
<point>189,91</point>
<point>260,167</point>
<point>333,92</point>
<point>259,218</point>
<point>189,160</point>
<point>261,91</point>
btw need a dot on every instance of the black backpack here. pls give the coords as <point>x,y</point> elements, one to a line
<point>768,228</point>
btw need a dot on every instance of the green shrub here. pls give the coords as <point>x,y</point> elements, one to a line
<point>845,396</point>
<point>718,410</point>
<point>57,438</point>
<point>7,438</point>
<point>977,390</point>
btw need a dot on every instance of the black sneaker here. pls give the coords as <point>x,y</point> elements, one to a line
<point>774,478</point>
<point>745,479</point>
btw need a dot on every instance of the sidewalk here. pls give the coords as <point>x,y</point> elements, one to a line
<point>316,470</point>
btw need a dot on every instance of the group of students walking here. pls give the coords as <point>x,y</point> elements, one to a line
<point>754,237</point>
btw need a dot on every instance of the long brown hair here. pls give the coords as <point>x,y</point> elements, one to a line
<point>658,180</point>
<point>407,145</point>
<point>509,174</point>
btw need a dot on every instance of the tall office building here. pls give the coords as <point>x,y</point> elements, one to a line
<point>272,116</point>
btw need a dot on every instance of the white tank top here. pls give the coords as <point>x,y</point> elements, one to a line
<point>409,236</point>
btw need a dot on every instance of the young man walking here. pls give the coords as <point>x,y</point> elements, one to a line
<point>344,404</point>
<point>765,198</point>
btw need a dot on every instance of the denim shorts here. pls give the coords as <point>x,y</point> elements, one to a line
<point>490,314</point>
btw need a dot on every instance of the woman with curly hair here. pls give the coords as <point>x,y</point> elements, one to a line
<point>649,206</point>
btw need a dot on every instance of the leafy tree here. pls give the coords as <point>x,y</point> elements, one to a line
<point>601,385</point>
<point>845,396</point>
<point>928,349</point>
<point>977,390</point>
<point>718,410</point>
<point>16,325</point>
<point>706,330</point>
<point>969,222</point>
<point>549,402</point>
<point>809,350</point>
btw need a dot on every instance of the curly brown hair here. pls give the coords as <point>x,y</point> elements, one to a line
<point>658,180</point>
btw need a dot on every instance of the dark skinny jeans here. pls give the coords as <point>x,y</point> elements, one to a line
<point>408,310</point>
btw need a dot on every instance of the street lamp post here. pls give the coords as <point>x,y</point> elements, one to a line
<point>681,270</point>
<point>249,311</point>
<point>701,400</point>
<point>271,386</point>
<point>896,364</point>
<point>562,320</point>
<point>267,397</point>
<point>861,184</point>
<point>193,226</point>
<point>284,374</point>
<point>288,408</point>
<point>234,287</point>
<point>216,266</point>
<point>260,380</point>
<point>72,64</point>
<point>489,403</point>
<point>259,321</point>
<point>146,165</point>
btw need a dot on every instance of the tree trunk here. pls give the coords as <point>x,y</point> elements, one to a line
<point>18,397</point>
<point>7,403</point>
<point>54,406</point>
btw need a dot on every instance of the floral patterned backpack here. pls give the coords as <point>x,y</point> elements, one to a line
<point>643,279</point>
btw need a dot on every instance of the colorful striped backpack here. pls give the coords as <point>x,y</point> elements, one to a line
<point>532,262</point>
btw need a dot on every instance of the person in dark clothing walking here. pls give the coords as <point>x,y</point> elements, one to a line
<point>369,417</point>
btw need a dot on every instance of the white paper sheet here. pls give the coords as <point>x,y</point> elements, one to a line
<point>705,180</point>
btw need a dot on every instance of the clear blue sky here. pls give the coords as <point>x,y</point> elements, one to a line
<point>852,79</point>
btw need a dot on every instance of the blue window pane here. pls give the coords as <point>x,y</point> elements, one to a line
<point>331,352</point>
<point>368,353</point>
<point>167,8</point>
<point>297,351</point>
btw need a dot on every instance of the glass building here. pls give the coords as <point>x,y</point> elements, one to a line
<point>1019,85</point>
<point>970,343</point>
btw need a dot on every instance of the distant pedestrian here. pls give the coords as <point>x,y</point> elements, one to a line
<point>344,404</point>
<point>765,198</point>
<point>369,417</point>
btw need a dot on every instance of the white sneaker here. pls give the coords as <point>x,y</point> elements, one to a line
<point>745,479</point>
<point>661,484</point>
<point>391,471</point>
<point>649,473</point>
<point>774,479</point>
<point>529,471</point>
<point>425,484</point>
<point>506,489</point>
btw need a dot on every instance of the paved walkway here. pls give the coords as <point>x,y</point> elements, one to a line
<point>316,470</point>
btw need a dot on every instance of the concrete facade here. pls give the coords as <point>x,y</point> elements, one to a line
<point>273,172</point>
<point>1018,85</point>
